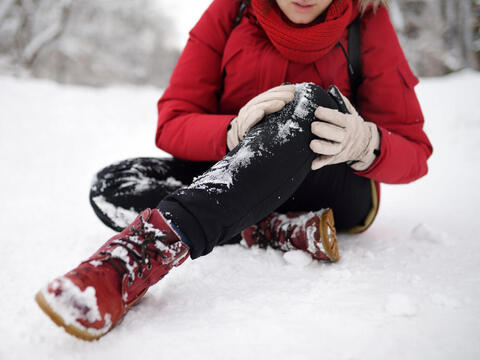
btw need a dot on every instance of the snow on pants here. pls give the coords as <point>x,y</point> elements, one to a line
<point>211,203</point>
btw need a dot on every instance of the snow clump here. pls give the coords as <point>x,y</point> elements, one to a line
<point>400,305</point>
<point>297,258</point>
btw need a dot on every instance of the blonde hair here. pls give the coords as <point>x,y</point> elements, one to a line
<point>376,3</point>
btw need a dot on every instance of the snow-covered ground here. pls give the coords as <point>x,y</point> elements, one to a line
<point>408,288</point>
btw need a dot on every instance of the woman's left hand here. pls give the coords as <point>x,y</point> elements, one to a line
<point>344,138</point>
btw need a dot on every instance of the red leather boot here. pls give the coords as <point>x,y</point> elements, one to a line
<point>89,300</point>
<point>313,232</point>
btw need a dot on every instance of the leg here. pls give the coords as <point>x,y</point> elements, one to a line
<point>336,187</point>
<point>122,190</point>
<point>253,180</point>
<point>305,221</point>
<point>246,185</point>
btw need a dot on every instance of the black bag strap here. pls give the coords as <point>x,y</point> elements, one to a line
<point>241,11</point>
<point>354,57</point>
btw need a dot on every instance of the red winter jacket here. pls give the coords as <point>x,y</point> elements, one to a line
<point>221,69</point>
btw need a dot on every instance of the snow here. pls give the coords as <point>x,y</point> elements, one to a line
<point>173,183</point>
<point>447,301</point>
<point>121,216</point>
<point>303,106</point>
<point>298,258</point>
<point>298,223</point>
<point>408,288</point>
<point>72,304</point>
<point>312,244</point>
<point>222,174</point>
<point>285,130</point>
<point>399,304</point>
<point>122,254</point>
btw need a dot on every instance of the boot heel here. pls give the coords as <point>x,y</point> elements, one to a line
<point>328,235</point>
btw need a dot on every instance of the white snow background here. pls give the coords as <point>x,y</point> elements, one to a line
<point>408,288</point>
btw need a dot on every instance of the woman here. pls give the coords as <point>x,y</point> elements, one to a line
<point>284,153</point>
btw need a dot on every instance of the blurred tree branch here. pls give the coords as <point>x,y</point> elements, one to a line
<point>100,42</point>
<point>93,42</point>
<point>437,35</point>
<point>45,37</point>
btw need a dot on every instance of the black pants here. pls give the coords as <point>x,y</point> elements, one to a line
<point>268,171</point>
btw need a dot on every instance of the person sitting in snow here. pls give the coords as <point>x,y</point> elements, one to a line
<point>261,152</point>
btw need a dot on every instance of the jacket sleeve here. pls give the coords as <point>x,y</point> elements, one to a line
<point>387,98</point>
<point>189,126</point>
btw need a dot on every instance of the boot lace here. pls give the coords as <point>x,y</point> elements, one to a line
<point>137,250</point>
<point>274,234</point>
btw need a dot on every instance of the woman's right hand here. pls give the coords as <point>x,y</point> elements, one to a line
<point>251,113</point>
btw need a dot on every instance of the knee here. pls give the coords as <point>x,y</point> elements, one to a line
<point>289,130</point>
<point>300,112</point>
<point>109,179</point>
<point>134,177</point>
<point>308,97</point>
<point>100,182</point>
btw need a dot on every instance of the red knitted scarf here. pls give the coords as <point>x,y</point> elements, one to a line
<point>305,44</point>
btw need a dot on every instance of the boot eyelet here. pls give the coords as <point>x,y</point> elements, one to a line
<point>140,274</point>
<point>149,266</point>
<point>130,282</point>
